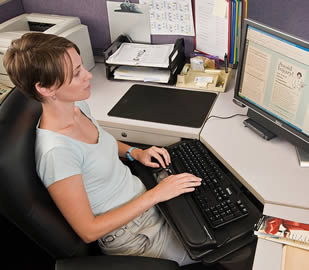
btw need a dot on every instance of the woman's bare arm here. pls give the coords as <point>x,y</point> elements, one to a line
<point>71,198</point>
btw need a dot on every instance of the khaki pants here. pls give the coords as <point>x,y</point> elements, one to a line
<point>147,235</point>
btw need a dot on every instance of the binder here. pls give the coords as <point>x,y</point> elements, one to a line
<point>237,18</point>
<point>231,28</point>
<point>238,28</point>
<point>233,16</point>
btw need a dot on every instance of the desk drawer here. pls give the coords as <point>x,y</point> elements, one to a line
<point>141,137</point>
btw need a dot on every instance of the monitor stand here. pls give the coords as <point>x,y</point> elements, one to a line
<point>258,129</point>
<point>259,125</point>
<point>303,157</point>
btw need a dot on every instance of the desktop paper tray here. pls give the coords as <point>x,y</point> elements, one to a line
<point>176,58</point>
<point>165,105</point>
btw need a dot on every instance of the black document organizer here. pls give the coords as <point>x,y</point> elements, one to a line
<point>176,58</point>
<point>165,105</point>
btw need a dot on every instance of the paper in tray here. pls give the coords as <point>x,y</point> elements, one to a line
<point>146,55</point>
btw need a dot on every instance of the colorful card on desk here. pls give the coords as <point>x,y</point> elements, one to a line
<point>283,231</point>
<point>164,105</point>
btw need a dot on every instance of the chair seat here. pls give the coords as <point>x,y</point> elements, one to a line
<point>113,262</point>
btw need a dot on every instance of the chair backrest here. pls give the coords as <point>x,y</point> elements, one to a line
<point>23,198</point>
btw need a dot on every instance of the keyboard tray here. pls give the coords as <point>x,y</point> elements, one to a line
<point>184,217</point>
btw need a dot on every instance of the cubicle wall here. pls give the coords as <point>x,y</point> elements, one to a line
<point>288,15</point>
<point>92,13</point>
<point>10,9</point>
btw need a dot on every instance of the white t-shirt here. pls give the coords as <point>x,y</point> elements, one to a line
<point>108,182</point>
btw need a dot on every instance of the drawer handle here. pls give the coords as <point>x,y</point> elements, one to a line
<point>123,134</point>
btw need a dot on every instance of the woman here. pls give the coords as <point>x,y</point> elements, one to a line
<point>79,162</point>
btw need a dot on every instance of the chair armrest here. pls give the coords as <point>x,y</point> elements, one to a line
<point>113,262</point>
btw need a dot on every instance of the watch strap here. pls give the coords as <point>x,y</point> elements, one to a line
<point>129,153</point>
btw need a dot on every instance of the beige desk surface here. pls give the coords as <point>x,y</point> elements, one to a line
<point>269,169</point>
<point>105,94</point>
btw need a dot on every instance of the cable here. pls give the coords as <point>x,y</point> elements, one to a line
<point>225,117</point>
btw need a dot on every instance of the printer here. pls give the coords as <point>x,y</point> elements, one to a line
<point>64,26</point>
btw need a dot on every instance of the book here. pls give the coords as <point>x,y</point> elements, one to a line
<point>294,258</point>
<point>283,231</point>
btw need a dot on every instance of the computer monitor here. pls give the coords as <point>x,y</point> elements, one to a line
<point>272,80</point>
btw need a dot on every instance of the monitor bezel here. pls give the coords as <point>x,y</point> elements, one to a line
<point>274,124</point>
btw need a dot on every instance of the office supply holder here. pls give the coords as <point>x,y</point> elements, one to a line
<point>189,78</point>
<point>4,91</point>
<point>176,58</point>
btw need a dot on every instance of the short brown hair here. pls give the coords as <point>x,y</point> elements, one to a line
<point>38,58</point>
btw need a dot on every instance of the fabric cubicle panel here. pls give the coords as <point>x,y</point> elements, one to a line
<point>93,13</point>
<point>288,16</point>
<point>10,9</point>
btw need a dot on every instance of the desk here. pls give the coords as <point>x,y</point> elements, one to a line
<point>269,169</point>
<point>105,94</point>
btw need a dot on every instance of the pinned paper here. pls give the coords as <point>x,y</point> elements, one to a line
<point>170,17</point>
<point>212,32</point>
<point>220,8</point>
<point>126,20</point>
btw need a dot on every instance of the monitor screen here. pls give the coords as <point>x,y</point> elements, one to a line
<point>273,81</point>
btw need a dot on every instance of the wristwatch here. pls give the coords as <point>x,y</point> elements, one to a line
<point>129,155</point>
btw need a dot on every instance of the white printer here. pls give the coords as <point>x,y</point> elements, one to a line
<point>65,26</point>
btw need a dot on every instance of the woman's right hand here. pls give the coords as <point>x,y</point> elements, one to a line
<point>174,185</point>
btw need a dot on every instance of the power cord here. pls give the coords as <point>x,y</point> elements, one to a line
<point>224,117</point>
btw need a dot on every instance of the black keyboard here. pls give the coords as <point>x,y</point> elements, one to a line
<point>218,217</point>
<point>216,198</point>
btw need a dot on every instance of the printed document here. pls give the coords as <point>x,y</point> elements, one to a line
<point>170,17</point>
<point>134,54</point>
<point>212,27</point>
<point>135,24</point>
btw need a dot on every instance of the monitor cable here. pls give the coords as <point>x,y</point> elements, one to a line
<point>225,117</point>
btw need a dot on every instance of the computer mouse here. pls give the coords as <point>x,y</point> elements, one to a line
<point>154,160</point>
<point>160,175</point>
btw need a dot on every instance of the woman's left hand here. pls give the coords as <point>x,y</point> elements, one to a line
<point>144,156</point>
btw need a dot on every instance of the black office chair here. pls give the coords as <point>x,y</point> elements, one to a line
<point>25,201</point>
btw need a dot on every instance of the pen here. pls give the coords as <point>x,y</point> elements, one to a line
<point>225,63</point>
